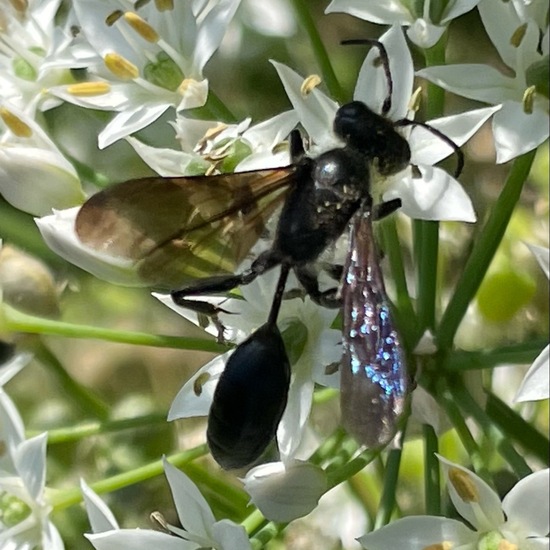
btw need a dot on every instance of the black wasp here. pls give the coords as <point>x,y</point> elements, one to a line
<point>182,229</point>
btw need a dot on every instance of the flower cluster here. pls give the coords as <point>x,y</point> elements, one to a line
<point>138,73</point>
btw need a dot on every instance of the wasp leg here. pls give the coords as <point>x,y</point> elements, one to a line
<point>328,298</point>
<point>384,209</point>
<point>221,284</point>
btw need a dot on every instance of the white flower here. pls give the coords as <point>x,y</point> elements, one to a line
<point>24,520</point>
<point>522,122</point>
<point>199,526</point>
<point>36,53</point>
<point>205,144</point>
<point>520,521</point>
<point>284,492</point>
<point>313,345</point>
<point>34,176</point>
<point>58,232</point>
<point>423,29</point>
<point>536,384</point>
<point>434,196</point>
<point>148,62</point>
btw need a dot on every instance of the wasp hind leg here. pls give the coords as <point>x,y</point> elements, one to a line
<point>221,284</point>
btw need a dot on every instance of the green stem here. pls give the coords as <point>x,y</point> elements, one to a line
<point>427,232</point>
<point>88,429</point>
<point>392,248</point>
<point>387,501</point>
<point>17,321</point>
<point>432,485</point>
<point>511,423</point>
<point>493,434</point>
<point>66,498</point>
<point>483,250</point>
<point>446,399</point>
<point>83,398</point>
<point>307,23</point>
<point>523,353</point>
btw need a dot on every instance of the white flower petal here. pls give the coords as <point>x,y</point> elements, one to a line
<point>372,86</point>
<point>424,34</point>
<point>12,431</point>
<point>194,95</point>
<point>30,461</point>
<point>15,364</point>
<point>284,493</point>
<point>536,383</point>
<point>100,516</point>
<point>138,539</point>
<point>485,513</point>
<point>289,432</point>
<point>195,397</point>
<point>165,162</point>
<point>517,132</point>
<point>526,505</point>
<point>193,510</point>
<point>37,180</point>
<point>212,30</point>
<point>230,536</point>
<point>130,121</point>
<point>501,22</point>
<point>435,196</point>
<point>419,533</point>
<point>385,12</point>
<point>424,409</point>
<point>316,111</point>
<point>456,9</point>
<point>58,232</point>
<point>426,148</point>
<point>479,82</point>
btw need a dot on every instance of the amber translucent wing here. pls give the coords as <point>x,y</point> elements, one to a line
<point>180,229</point>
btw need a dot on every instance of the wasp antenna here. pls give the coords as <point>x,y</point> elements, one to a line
<point>386,106</point>
<point>446,139</point>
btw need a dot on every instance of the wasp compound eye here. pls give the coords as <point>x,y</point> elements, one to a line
<point>249,399</point>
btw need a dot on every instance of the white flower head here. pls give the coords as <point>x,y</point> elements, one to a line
<point>426,21</point>
<point>25,509</point>
<point>36,54</point>
<point>522,121</point>
<point>147,62</point>
<point>521,520</point>
<point>34,176</point>
<point>284,492</point>
<point>199,526</point>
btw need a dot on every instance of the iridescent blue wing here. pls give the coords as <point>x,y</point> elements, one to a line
<point>373,375</point>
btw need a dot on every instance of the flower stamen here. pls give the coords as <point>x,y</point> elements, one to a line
<point>141,27</point>
<point>15,124</point>
<point>89,88</point>
<point>463,485</point>
<point>120,66</point>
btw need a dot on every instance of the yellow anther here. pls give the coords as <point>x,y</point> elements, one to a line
<point>164,5</point>
<point>445,545</point>
<point>88,88</point>
<point>529,99</point>
<point>518,35</point>
<point>120,66</point>
<point>141,27</point>
<point>113,17</point>
<point>15,124</point>
<point>506,545</point>
<point>309,84</point>
<point>462,482</point>
<point>416,99</point>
